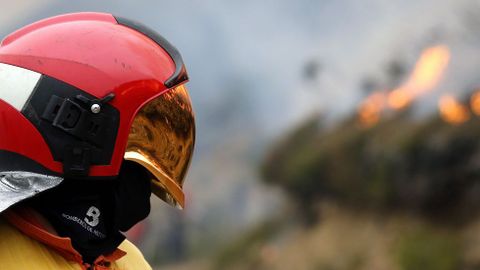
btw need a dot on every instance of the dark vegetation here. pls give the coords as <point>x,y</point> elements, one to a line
<point>423,167</point>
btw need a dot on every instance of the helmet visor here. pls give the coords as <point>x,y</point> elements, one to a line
<point>161,139</point>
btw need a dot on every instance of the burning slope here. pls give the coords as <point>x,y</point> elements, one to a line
<point>426,75</point>
<point>452,111</point>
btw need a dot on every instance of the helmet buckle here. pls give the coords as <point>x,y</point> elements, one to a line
<point>69,115</point>
<point>76,161</point>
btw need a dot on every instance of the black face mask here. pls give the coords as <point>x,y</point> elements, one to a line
<point>94,212</point>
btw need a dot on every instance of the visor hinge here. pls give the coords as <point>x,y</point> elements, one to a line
<point>96,104</point>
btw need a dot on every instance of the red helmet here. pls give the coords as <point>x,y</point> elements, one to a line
<point>79,94</point>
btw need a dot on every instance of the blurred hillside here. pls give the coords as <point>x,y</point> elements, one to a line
<point>352,240</point>
<point>403,194</point>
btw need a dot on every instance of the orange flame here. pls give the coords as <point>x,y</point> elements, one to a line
<point>371,107</point>
<point>428,71</point>
<point>452,111</point>
<point>475,103</point>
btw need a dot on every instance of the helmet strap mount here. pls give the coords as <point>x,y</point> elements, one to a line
<point>77,118</point>
<point>70,116</point>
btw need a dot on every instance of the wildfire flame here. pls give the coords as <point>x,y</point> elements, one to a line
<point>428,71</point>
<point>475,103</point>
<point>452,111</point>
<point>371,108</point>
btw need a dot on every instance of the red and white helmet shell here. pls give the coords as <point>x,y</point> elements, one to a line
<point>92,57</point>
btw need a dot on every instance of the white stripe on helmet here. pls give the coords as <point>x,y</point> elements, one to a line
<point>17,84</point>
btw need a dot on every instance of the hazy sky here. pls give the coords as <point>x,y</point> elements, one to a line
<point>260,48</point>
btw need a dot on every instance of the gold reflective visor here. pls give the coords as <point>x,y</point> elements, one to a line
<point>161,139</point>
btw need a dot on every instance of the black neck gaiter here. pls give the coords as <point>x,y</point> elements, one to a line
<point>92,213</point>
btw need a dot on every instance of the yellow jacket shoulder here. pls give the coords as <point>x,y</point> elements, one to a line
<point>134,258</point>
<point>18,251</point>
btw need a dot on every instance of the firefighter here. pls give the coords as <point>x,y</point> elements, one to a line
<point>94,117</point>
